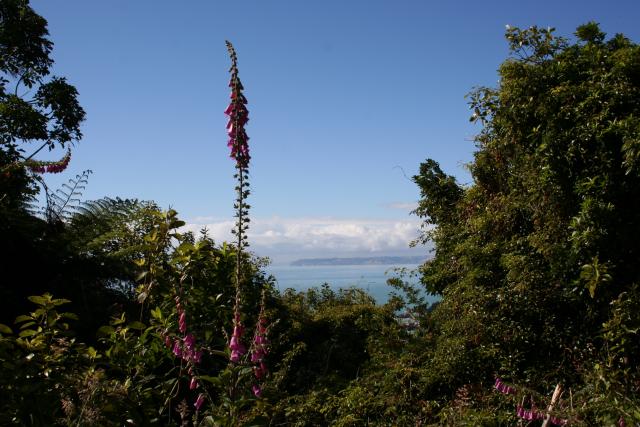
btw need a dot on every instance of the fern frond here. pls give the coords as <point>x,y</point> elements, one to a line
<point>62,204</point>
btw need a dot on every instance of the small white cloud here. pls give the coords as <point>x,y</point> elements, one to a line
<point>403,206</point>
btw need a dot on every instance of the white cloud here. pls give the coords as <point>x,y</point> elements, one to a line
<point>403,206</point>
<point>284,239</point>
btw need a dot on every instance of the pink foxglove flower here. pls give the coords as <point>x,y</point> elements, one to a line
<point>260,347</point>
<point>193,384</point>
<point>189,342</point>
<point>238,116</point>
<point>257,355</point>
<point>177,348</point>
<point>185,349</point>
<point>237,352</point>
<point>235,344</point>
<point>503,388</point>
<point>260,371</point>
<point>199,401</point>
<point>257,391</point>
<point>50,167</point>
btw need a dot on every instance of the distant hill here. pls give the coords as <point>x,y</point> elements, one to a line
<point>379,260</point>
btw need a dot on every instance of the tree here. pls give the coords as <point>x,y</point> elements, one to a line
<point>35,112</point>
<point>536,255</point>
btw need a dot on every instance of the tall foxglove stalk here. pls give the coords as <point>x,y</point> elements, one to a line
<point>238,144</point>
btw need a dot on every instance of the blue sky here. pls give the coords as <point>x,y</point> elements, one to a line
<point>343,97</point>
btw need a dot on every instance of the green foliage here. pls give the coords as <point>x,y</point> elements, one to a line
<point>533,258</point>
<point>177,267</point>
<point>48,115</point>
<point>323,337</point>
<point>62,203</point>
<point>535,264</point>
<point>326,343</point>
<point>87,259</point>
<point>142,367</point>
<point>133,375</point>
<point>52,116</point>
<point>24,46</point>
<point>590,33</point>
<point>613,388</point>
<point>39,364</point>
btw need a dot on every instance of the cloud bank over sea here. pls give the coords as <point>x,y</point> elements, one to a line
<point>287,239</point>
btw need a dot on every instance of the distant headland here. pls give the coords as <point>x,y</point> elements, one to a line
<point>379,260</point>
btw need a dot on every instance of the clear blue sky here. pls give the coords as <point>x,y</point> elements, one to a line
<point>340,93</point>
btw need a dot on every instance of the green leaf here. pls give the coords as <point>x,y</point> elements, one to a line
<point>71,316</point>
<point>23,318</point>
<point>26,325</point>
<point>52,318</point>
<point>40,300</point>
<point>27,333</point>
<point>105,331</point>
<point>92,353</point>
<point>139,326</point>
<point>120,320</point>
<point>4,329</point>
<point>156,313</point>
<point>245,371</point>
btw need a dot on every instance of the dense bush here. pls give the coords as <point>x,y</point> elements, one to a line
<point>539,255</point>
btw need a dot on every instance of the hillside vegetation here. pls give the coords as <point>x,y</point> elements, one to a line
<point>111,315</point>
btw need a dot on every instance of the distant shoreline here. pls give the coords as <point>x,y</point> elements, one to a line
<point>382,260</point>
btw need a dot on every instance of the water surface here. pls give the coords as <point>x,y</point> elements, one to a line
<point>372,278</point>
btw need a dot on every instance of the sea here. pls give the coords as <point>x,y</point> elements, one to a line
<point>371,278</point>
